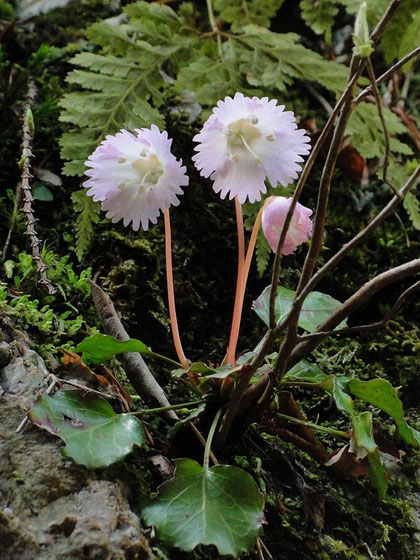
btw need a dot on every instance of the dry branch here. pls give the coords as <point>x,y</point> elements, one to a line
<point>135,367</point>
<point>24,188</point>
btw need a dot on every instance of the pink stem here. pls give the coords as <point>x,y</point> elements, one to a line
<point>237,309</point>
<point>250,251</point>
<point>171,295</point>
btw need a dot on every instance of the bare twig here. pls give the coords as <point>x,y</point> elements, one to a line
<point>345,106</point>
<point>388,74</point>
<point>362,328</point>
<point>299,187</point>
<point>320,98</point>
<point>49,390</point>
<point>354,302</point>
<point>319,223</point>
<point>25,186</point>
<point>360,237</point>
<point>137,370</point>
<point>378,101</point>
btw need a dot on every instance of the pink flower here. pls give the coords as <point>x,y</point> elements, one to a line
<point>273,217</point>
<point>135,177</point>
<point>246,140</point>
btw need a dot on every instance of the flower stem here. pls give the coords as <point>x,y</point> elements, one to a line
<point>251,247</point>
<point>237,309</point>
<point>171,294</point>
<point>210,438</point>
<point>165,359</point>
<point>164,408</point>
<point>314,426</point>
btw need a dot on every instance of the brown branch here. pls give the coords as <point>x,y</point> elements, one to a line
<point>299,187</point>
<point>388,74</point>
<point>363,328</point>
<point>345,105</point>
<point>353,303</point>
<point>135,367</point>
<point>378,101</point>
<point>25,189</point>
<point>318,225</point>
<point>360,237</point>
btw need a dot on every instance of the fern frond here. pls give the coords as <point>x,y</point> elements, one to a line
<point>121,85</point>
<point>88,215</point>
<point>366,132</point>
<point>279,59</point>
<point>397,44</point>
<point>262,253</point>
<point>243,12</point>
<point>412,205</point>
<point>319,14</point>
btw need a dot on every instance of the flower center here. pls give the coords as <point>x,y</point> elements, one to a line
<point>241,136</point>
<point>149,170</point>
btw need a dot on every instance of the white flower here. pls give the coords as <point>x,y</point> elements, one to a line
<point>246,140</point>
<point>135,177</point>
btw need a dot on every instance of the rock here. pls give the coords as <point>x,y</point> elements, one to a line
<point>51,508</point>
<point>5,354</point>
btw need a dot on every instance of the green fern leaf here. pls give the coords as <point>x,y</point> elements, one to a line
<point>412,205</point>
<point>121,85</point>
<point>319,15</point>
<point>396,44</point>
<point>278,59</point>
<point>242,12</point>
<point>366,132</point>
<point>88,215</point>
<point>262,253</point>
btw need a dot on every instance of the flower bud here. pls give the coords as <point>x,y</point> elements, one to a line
<point>273,217</point>
<point>362,43</point>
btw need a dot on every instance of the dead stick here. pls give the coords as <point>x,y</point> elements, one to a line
<point>25,188</point>
<point>135,367</point>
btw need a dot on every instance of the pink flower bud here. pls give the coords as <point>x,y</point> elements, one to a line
<point>273,218</point>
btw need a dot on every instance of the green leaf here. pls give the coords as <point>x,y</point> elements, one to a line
<point>88,214</point>
<point>363,444</point>
<point>316,308</point>
<point>206,372</point>
<point>101,347</point>
<point>337,386</point>
<point>363,434</point>
<point>262,254</point>
<point>242,12</point>
<point>396,44</point>
<point>378,474</point>
<point>277,59</point>
<point>382,394</point>
<point>42,193</point>
<point>306,371</point>
<point>94,434</point>
<point>319,15</point>
<point>218,506</point>
<point>121,85</point>
<point>366,131</point>
<point>412,205</point>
